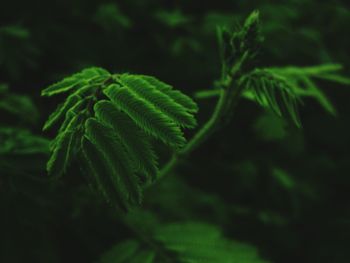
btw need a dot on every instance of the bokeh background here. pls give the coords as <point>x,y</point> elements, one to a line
<point>282,189</point>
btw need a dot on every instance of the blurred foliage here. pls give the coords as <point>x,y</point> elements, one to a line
<point>17,108</point>
<point>260,180</point>
<point>184,242</point>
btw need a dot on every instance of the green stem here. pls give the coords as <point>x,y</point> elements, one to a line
<point>209,127</point>
<point>229,96</point>
<point>228,99</point>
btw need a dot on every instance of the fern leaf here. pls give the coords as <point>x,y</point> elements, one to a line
<point>176,95</point>
<point>99,170</point>
<point>70,114</point>
<point>310,89</point>
<point>135,141</point>
<point>61,111</point>
<point>63,148</point>
<point>146,116</point>
<point>75,81</point>
<point>123,175</point>
<point>273,91</point>
<point>305,85</point>
<point>318,70</point>
<point>159,100</point>
<point>58,161</point>
<point>336,78</point>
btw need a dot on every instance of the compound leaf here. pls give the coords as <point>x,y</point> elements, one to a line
<point>61,111</point>
<point>146,116</point>
<point>75,81</point>
<point>273,91</point>
<point>101,174</point>
<point>159,100</point>
<point>135,141</point>
<point>123,175</point>
<point>176,95</point>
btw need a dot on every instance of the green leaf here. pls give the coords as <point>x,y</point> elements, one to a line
<point>101,174</point>
<point>176,95</point>
<point>159,100</point>
<point>63,149</point>
<point>60,157</point>
<point>118,130</point>
<point>135,141</point>
<point>283,178</point>
<point>146,116</point>
<point>61,111</point>
<point>108,143</point>
<point>274,92</point>
<point>75,81</point>
<point>304,81</point>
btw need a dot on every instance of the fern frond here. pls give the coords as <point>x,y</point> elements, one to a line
<point>158,99</point>
<point>72,112</point>
<point>60,156</point>
<point>61,111</point>
<point>108,143</point>
<point>101,174</point>
<point>75,81</point>
<point>63,150</point>
<point>273,91</point>
<point>118,130</point>
<point>135,141</point>
<point>302,82</point>
<point>305,84</point>
<point>176,95</point>
<point>146,116</point>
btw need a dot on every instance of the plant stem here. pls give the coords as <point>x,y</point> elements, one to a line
<point>228,99</point>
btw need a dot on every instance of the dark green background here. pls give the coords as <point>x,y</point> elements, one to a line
<point>300,216</point>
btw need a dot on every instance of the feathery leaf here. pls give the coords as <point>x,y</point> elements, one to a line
<point>61,111</point>
<point>273,91</point>
<point>159,100</point>
<point>63,148</point>
<point>101,174</point>
<point>75,81</point>
<point>108,143</point>
<point>136,142</point>
<point>146,116</point>
<point>176,95</point>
